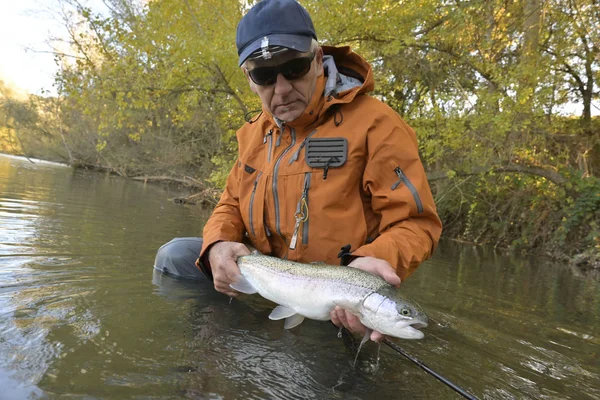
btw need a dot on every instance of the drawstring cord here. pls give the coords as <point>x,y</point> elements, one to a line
<point>249,113</point>
<point>335,116</point>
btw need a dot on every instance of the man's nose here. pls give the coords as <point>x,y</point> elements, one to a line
<point>282,85</point>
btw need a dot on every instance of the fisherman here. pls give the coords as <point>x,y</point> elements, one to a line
<point>325,172</point>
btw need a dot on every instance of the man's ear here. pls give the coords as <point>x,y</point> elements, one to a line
<point>319,58</point>
<point>250,81</point>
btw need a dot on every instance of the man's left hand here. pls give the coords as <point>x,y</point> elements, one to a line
<point>376,266</point>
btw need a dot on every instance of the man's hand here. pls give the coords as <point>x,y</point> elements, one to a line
<point>222,257</point>
<point>376,266</point>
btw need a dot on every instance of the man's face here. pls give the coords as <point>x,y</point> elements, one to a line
<point>286,99</point>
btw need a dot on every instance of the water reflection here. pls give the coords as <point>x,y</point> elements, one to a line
<point>82,316</point>
<point>513,325</point>
<point>239,352</point>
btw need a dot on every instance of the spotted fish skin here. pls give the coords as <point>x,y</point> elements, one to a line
<point>314,290</point>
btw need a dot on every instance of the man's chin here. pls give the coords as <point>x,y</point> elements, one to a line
<point>288,116</point>
<point>288,113</point>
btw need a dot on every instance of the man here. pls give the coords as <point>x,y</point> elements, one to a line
<point>323,167</point>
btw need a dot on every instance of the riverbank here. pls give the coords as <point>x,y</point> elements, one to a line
<point>585,259</point>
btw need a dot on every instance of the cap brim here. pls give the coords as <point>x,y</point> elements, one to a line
<point>293,42</point>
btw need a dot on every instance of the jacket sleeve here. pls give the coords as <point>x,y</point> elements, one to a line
<point>394,179</point>
<point>225,223</point>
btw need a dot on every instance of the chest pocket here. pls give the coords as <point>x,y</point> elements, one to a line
<point>326,153</point>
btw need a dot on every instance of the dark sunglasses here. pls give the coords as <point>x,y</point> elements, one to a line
<point>291,70</point>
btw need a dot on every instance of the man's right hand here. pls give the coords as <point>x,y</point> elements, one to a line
<point>222,257</point>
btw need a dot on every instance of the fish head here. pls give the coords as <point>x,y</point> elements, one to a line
<point>386,311</point>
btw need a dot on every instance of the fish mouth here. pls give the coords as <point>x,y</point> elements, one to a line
<point>412,331</point>
<point>419,325</point>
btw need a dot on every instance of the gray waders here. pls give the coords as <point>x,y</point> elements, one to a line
<point>177,258</point>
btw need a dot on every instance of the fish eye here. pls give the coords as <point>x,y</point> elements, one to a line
<point>406,312</point>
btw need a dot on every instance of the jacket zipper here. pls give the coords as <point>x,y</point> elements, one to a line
<point>297,152</point>
<point>301,214</point>
<point>307,176</point>
<point>402,178</point>
<point>275,171</point>
<point>269,135</point>
<point>252,203</point>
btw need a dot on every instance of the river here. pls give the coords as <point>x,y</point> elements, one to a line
<point>83,316</point>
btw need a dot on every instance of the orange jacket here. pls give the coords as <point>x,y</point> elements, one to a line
<point>378,202</point>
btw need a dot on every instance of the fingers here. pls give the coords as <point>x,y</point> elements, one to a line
<point>334,318</point>
<point>223,287</point>
<point>227,273</point>
<point>377,266</point>
<point>377,336</point>
<point>354,324</point>
<point>390,276</point>
<point>223,261</point>
<point>341,317</point>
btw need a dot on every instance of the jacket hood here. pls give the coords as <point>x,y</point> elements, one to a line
<point>348,74</point>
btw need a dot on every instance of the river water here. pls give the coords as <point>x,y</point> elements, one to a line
<point>82,316</point>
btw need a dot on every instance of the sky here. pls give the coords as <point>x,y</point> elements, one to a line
<point>25,58</point>
<point>25,26</point>
<point>26,61</point>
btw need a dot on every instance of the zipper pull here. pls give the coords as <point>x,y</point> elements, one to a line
<point>401,178</point>
<point>267,135</point>
<point>294,239</point>
<point>301,216</point>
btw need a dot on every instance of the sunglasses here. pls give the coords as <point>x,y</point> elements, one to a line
<point>291,70</point>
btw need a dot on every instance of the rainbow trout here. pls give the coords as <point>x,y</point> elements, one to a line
<point>313,290</point>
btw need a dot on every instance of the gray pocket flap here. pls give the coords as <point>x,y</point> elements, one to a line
<point>326,152</point>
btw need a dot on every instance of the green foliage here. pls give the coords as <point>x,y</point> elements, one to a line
<point>580,223</point>
<point>154,88</point>
<point>524,212</point>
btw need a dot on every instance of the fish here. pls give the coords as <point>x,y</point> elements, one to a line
<point>313,290</point>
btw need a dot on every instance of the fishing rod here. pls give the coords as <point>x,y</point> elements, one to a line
<point>424,367</point>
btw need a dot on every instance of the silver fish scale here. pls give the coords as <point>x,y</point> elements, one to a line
<point>334,273</point>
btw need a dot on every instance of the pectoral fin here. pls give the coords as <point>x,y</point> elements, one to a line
<point>243,285</point>
<point>293,321</point>
<point>291,318</point>
<point>281,312</point>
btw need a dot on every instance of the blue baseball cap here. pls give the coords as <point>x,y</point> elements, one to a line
<point>271,23</point>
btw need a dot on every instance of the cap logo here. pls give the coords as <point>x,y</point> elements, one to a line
<point>264,45</point>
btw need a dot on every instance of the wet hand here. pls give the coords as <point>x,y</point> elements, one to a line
<point>376,266</point>
<point>343,318</point>
<point>223,262</point>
